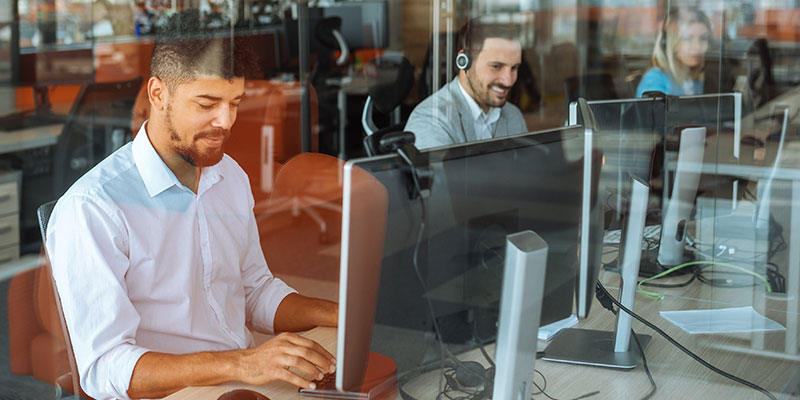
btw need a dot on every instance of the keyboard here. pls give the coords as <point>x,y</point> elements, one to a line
<point>652,232</point>
<point>326,388</point>
<point>327,382</point>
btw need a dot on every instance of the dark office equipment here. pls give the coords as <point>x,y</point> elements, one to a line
<point>480,192</point>
<point>635,134</point>
<point>365,24</point>
<point>98,124</point>
<point>590,87</point>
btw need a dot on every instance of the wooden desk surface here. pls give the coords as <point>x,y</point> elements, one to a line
<point>677,375</point>
<point>29,138</point>
<point>276,390</point>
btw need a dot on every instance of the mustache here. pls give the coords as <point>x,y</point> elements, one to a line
<point>499,86</point>
<point>213,133</point>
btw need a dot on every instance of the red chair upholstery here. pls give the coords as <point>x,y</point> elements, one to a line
<point>36,338</point>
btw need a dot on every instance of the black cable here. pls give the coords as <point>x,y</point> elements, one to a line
<point>415,263</point>
<point>674,285</point>
<point>653,386</point>
<point>682,348</point>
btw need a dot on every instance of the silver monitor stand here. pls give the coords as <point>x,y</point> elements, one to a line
<point>604,348</point>
<point>520,312</point>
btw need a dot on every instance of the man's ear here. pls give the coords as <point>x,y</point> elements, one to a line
<point>157,93</point>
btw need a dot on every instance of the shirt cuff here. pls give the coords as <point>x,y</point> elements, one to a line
<point>278,290</point>
<point>113,372</point>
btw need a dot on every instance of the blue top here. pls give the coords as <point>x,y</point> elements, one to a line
<point>656,79</point>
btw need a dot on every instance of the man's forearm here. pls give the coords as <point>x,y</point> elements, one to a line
<point>300,313</point>
<point>159,374</point>
<point>287,357</point>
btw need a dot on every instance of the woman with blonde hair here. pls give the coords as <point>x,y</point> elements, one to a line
<point>679,55</point>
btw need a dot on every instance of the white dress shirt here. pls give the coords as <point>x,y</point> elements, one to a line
<point>484,122</point>
<point>142,264</point>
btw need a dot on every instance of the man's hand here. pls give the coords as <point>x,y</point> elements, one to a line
<point>286,357</point>
<point>282,357</point>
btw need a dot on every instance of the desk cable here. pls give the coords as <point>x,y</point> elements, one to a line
<point>541,389</point>
<point>604,297</point>
<point>442,348</point>
<point>607,304</point>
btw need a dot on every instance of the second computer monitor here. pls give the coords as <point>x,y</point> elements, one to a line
<point>448,247</point>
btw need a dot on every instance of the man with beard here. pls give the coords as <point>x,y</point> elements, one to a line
<point>156,254</point>
<point>473,106</point>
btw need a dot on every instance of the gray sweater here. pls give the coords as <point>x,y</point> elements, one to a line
<point>453,123</point>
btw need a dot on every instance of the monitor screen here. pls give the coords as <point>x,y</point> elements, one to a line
<point>634,134</point>
<point>481,192</point>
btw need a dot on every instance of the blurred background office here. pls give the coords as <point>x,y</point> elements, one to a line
<point>333,72</point>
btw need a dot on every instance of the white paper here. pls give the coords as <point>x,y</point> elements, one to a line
<point>548,331</point>
<point>724,320</point>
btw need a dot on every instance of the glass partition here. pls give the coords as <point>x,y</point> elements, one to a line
<point>336,78</point>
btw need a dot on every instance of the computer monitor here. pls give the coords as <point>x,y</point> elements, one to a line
<point>630,130</point>
<point>637,135</point>
<point>481,192</point>
<point>359,373</point>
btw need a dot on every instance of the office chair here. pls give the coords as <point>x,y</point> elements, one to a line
<point>70,382</point>
<point>329,32</point>
<point>761,79</point>
<point>36,344</point>
<point>389,79</point>
<point>307,182</point>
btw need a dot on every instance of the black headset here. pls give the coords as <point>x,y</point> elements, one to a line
<point>463,61</point>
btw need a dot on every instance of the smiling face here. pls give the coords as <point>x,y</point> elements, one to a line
<point>493,73</point>
<point>199,115</point>
<point>693,45</point>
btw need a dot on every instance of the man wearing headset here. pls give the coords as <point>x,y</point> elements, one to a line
<point>473,106</point>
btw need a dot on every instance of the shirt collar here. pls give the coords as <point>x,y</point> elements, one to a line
<point>491,117</point>
<point>156,174</point>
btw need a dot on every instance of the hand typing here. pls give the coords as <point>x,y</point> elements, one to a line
<point>273,360</point>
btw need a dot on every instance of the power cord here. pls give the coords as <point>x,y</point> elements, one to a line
<point>660,296</point>
<point>442,348</point>
<point>674,342</point>
<point>608,303</point>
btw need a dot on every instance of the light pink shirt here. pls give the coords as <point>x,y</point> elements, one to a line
<point>144,264</point>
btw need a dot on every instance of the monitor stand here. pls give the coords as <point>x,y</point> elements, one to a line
<point>605,348</point>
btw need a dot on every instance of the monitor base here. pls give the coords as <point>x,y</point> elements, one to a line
<point>595,348</point>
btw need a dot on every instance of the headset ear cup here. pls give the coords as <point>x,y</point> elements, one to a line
<point>462,61</point>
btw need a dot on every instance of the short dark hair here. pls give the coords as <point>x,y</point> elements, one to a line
<point>185,47</point>
<point>475,32</point>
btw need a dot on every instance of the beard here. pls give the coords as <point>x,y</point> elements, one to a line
<point>191,152</point>
<point>484,94</point>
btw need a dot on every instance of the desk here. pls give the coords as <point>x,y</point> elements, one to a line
<point>29,138</point>
<point>677,375</point>
<point>788,171</point>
